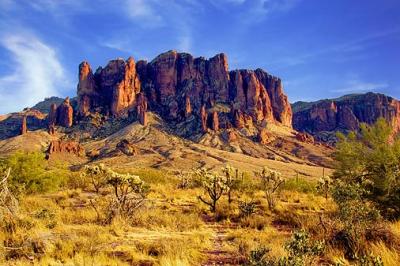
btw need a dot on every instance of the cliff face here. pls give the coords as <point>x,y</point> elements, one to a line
<point>178,86</point>
<point>346,113</point>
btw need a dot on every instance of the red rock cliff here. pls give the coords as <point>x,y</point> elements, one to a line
<point>176,85</point>
<point>346,113</point>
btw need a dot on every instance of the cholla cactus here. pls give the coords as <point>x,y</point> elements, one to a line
<point>129,191</point>
<point>324,185</point>
<point>231,180</point>
<point>97,174</point>
<point>271,181</point>
<point>214,185</point>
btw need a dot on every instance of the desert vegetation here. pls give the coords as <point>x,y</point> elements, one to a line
<point>111,215</point>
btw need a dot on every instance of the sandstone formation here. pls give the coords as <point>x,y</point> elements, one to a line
<point>24,129</point>
<point>304,137</point>
<point>232,137</point>
<point>65,114</point>
<point>177,86</point>
<point>12,125</point>
<point>51,129</point>
<point>141,109</point>
<point>52,116</point>
<point>346,113</point>
<point>263,136</point>
<point>127,148</point>
<point>111,89</point>
<point>60,146</point>
<point>214,121</point>
<point>61,115</point>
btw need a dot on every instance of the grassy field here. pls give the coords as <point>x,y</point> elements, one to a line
<point>173,227</point>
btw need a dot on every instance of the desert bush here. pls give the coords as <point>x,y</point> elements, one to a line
<point>300,185</point>
<point>271,182</point>
<point>30,173</point>
<point>247,208</point>
<point>213,185</point>
<point>355,214</point>
<point>259,257</point>
<point>155,176</point>
<point>301,251</point>
<point>371,159</point>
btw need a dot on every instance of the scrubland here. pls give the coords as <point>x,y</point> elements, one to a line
<point>97,215</point>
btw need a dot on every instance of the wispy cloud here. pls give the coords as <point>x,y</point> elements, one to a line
<point>356,86</point>
<point>173,14</point>
<point>145,11</point>
<point>353,47</point>
<point>254,11</point>
<point>36,72</point>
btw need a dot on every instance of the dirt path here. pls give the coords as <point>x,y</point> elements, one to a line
<point>218,255</point>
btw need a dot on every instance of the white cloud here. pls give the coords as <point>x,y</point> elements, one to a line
<point>355,86</point>
<point>144,11</point>
<point>36,72</point>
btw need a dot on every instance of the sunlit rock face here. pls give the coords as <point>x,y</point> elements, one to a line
<point>180,87</point>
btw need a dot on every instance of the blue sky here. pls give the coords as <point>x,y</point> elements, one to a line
<point>320,48</point>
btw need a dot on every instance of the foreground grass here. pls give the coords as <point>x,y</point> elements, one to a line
<point>63,228</point>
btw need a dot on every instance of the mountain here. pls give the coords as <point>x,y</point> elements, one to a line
<point>181,88</point>
<point>174,112</point>
<point>345,113</point>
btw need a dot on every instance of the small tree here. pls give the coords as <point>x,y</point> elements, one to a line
<point>214,186</point>
<point>271,182</point>
<point>231,180</point>
<point>371,158</point>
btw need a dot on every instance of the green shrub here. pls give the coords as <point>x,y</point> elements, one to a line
<point>371,159</point>
<point>30,173</point>
<point>299,185</point>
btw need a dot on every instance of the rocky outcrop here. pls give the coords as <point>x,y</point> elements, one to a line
<point>24,128</point>
<point>304,137</point>
<point>127,148</point>
<point>231,136</point>
<point>111,89</point>
<point>203,118</point>
<point>61,146</point>
<point>141,109</point>
<point>13,124</point>
<point>61,115</point>
<point>51,129</point>
<point>177,86</point>
<point>86,89</point>
<point>345,113</point>
<point>281,107</point>
<point>65,114</point>
<point>214,121</point>
<point>188,107</point>
<point>262,136</point>
<point>52,116</point>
